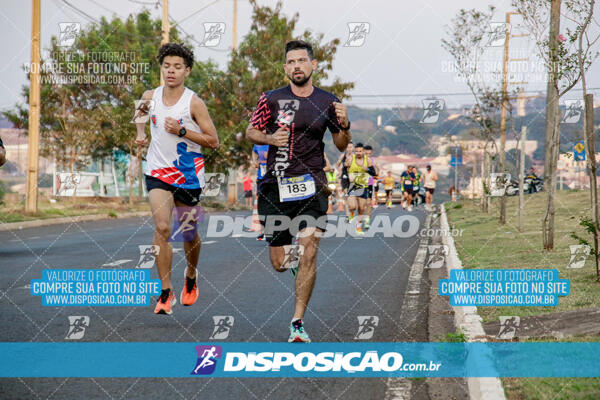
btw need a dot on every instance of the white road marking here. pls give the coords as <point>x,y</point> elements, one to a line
<point>116,263</point>
<point>400,388</point>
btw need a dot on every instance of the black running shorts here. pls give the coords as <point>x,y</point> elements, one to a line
<point>189,197</point>
<point>270,207</point>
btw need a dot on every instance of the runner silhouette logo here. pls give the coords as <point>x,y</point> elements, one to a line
<point>508,327</point>
<point>573,111</point>
<point>579,254</point>
<point>68,32</point>
<point>431,110</point>
<point>357,33</point>
<point>148,255</point>
<point>223,324</point>
<point>207,359</point>
<point>366,326</point>
<point>77,325</point>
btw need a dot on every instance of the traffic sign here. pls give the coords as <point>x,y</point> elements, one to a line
<point>579,151</point>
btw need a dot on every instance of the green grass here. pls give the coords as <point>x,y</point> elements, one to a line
<point>487,244</point>
<point>66,208</point>
<point>458,337</point>
<point>110,208</point>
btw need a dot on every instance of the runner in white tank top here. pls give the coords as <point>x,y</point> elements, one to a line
<point>430,177</point>
<point>180,126</point>
<point>175,160</point>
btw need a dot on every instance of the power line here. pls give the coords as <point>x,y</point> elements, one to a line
<point>146,3</point>
<point>192,38</point>
<point>80,12</point>
<point>196,12</point>
<point>103,7</point>
<point>451,94</point>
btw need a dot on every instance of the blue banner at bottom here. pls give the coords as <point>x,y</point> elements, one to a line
<point>269,360</point>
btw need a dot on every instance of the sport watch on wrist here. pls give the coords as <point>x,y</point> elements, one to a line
<point>346,128</point>
<point>182,132</point>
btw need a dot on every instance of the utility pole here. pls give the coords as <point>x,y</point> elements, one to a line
<point>234,30</point>
<point>522,177</point>
<point>591,163</point>
<point>473,172</point>
<point>166,28</point>
<point>505,100</point>
<point>31,204</point>
<point>552,139</point>
<point>455,173</point>
<point>502,159</point>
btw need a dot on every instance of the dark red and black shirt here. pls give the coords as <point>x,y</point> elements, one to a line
<point>307,119</point>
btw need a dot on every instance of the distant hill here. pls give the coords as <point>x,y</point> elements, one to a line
<point>412,137</point>
<point>5,123</point>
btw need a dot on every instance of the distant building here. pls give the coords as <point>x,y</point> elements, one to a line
<point>398,163</point>
<point>572,174</point>
<point>443,143</point>
<point>16,145</point>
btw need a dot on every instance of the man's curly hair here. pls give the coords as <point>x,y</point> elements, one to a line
<point>176,49</point>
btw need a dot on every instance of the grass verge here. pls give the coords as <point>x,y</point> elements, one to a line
<point>485,243</point>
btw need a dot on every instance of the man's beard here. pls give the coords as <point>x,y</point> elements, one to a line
<point>301,82</point>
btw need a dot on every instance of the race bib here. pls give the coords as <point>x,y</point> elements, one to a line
<point>263,169</point>
<point>359,179</point>
<point>296,188</point>
<point>408,182</point>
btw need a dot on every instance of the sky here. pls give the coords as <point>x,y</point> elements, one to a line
<point>401,53</point>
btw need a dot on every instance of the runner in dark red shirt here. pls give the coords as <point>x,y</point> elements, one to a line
<point>293,119</point>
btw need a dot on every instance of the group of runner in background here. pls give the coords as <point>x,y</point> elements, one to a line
<point>355,181</point>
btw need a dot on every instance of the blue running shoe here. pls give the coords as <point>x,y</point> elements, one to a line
<point>297,332</point>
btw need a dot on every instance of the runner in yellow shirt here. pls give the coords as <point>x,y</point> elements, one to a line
<point>388,186</point>
<point>359,167</point>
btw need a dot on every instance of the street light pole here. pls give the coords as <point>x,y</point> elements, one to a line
<point>31,204</point>
<point>165,28</point>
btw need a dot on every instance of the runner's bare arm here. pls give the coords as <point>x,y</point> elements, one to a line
<point>343,137</point>
<point>256,136</point>
<point>348,161</point>
<point>254,160</point>
<point>338,164</point>
<point>327,164</point>
<point>141,139</point>
<point>208,135</point>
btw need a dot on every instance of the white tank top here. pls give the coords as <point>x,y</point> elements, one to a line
<point>174,160</point>
<point>429,182</point>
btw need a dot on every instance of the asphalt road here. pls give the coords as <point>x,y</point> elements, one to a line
<point>356,277</point>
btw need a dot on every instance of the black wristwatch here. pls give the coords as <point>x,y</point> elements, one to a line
<point>347,128</point>
<point>182,131</point>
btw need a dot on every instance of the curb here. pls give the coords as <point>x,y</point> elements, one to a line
<point>67,220</point>
<point>398,388</point>
<point>468,321</point>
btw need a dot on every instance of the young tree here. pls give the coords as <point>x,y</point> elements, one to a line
<point>580,13</point>
<point>562,60</point>
<point>468,38</point>
<point>86,111</point>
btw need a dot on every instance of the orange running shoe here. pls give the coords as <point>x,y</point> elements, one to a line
<point>189,294</point>
<point>165,302</point>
